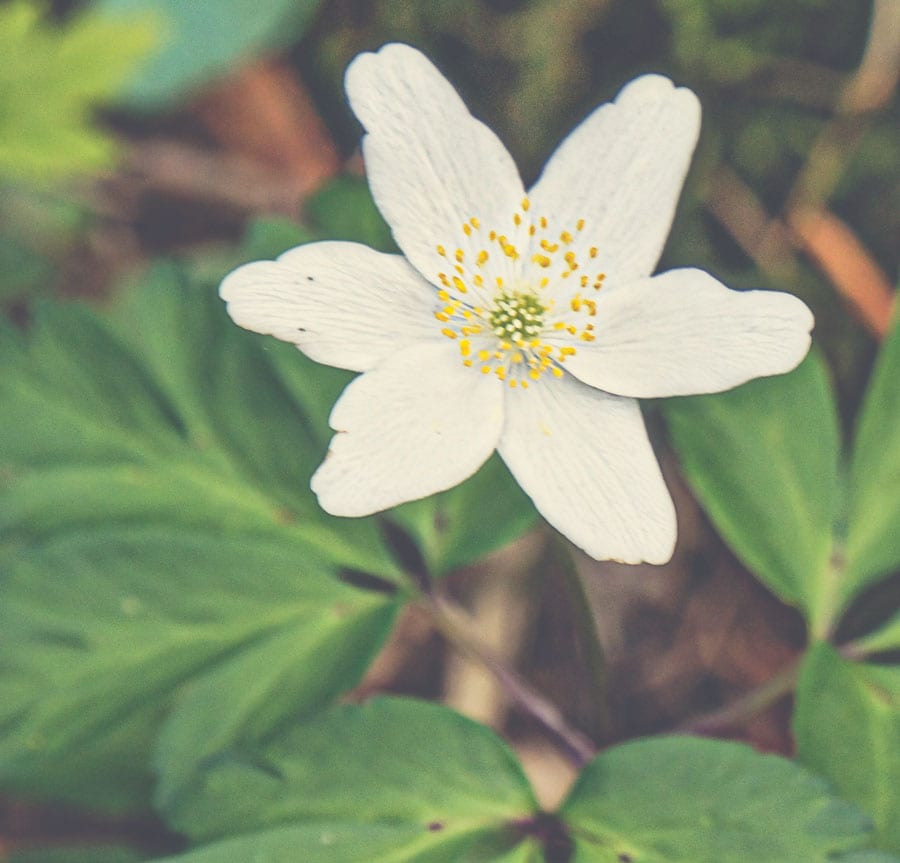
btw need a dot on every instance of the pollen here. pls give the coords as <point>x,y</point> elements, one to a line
<point>509,302</point>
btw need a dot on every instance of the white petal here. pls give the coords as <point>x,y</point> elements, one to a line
<point>430,164</point>
<point>622,171</point>
<point>584,459</point>
<point>342,304</point>
<point>417,424</point>
<point>683,332</point>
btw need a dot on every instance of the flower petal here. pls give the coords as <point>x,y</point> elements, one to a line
<point>622,171</point>
<point>584,459</point>
<point>683,332</point>
<point>342,304</point>
<point>417,424</point>
<point>431,165</point>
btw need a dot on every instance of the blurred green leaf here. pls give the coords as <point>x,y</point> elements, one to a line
<point>80,854</point>
<point>454,528</point>
<point>763,461</point>
<point>326,842</point>
<point>847,727</point>
<point>688,800</point>
<point>390,780</point>
<point>203,39</point>
<point>344,210</point>
<point>270,237</point>
<point>22,269</point>
<point>160,550</point>
<point>873,538</point>
<point>884,638</point>
<point>51,81</point>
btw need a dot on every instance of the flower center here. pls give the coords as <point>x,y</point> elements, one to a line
<point>517,315</point>
<point>514,326</point>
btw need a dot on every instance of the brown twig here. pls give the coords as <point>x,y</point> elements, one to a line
<point>456,626</point>
<point>263,112</point>
<point>738,712</point>
<point>806,224</point>
<point>841,256</point>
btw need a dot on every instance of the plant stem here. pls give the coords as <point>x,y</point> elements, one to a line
<point>747,706</point>
<point>457,627</point>
<point>588,638</point>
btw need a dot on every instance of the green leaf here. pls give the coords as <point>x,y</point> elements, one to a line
<point>22,269</point>
<point>345,210</point>
<point>203,39</point>
<point>883,639</point>
<point>873,540</point>
<point>270,237</point>
<point>51,81</point>
<point>763,461</point>
<point>453,528</point>
<point>847,727</point>
<point>688,800</point>
<point>81,854</point>
<point>402,779</point>
<point>161,556</point>
<point>373,843</point>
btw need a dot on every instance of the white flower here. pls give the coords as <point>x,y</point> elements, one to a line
<point>526,323</point>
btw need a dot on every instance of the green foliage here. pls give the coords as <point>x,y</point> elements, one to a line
<point>82,854</point>
<point>411,782</point>
<point>169,582</point>
<point>847,725</point>
<point>202,39</point>
<point>884,638</point>
<point>344,210</point>
<point>763,460</point>
<point>393,780</point>
<point>51,81</point>
<point>873,540</point>
<point>459,526</point>
<point>157,530</point>
<point>686,800</point>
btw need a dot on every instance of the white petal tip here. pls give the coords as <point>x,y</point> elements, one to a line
<point>365,65</point>
<point>656,550</point>
<point>653,88</point>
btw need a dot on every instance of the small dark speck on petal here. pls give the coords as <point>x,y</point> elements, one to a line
<point>310,279</point>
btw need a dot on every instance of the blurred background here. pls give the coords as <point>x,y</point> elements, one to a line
<point>217,131</point>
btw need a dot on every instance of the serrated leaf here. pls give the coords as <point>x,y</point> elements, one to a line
<point>847,727</point>
<point>688,800</point>
<point>763,461</point>
<point>414,780</point>
<point>873,540</point>
<point>161,553</point>
<point>203,39</point>
<point>51,81</point>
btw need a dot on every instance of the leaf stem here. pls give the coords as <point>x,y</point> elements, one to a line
<point>458,628</point>
<point>588,637</point>
<point>740,711</point>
